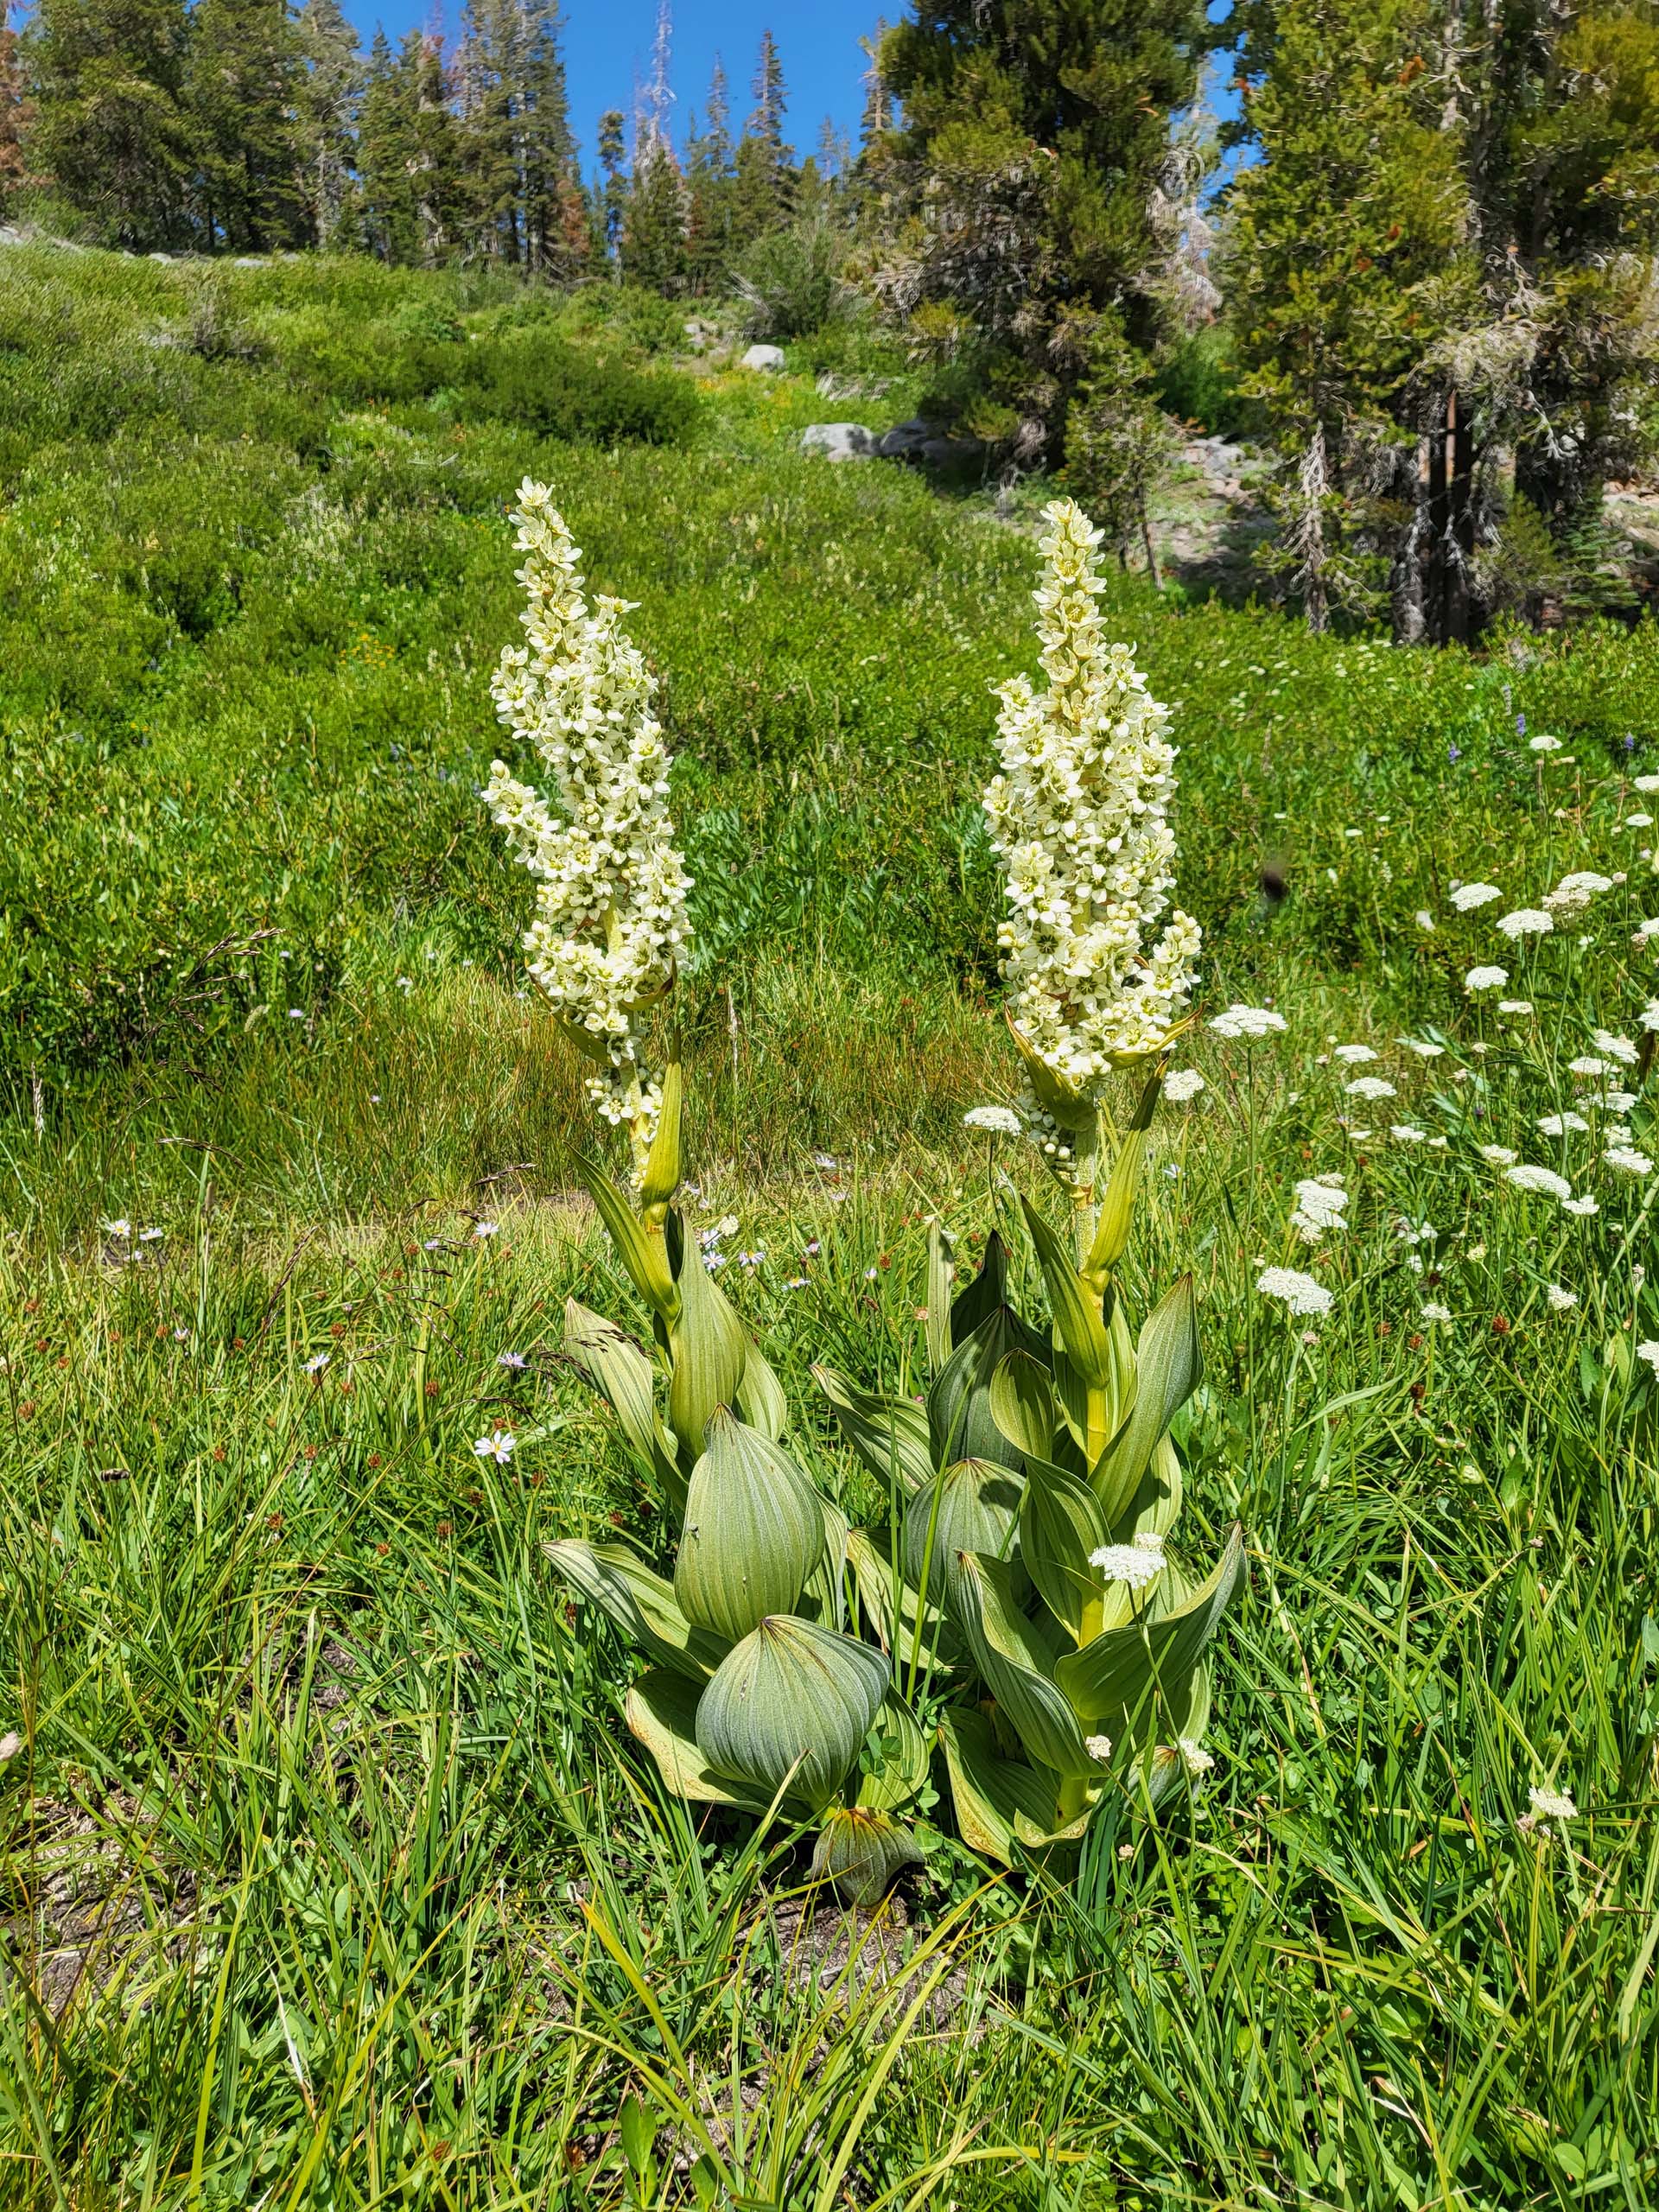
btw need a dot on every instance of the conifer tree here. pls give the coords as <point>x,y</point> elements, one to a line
<point>710,186</point>
<point>327,102</point>
<point>760,191</point>
<point>612,197</point>
<point>242,90</point>
<point>110,130</point>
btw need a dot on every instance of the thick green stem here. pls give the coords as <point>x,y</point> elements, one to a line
<point>1085,1190</point>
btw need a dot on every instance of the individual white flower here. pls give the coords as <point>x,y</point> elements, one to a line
<point>1079,817</point>
<point>1558,1125</point>
<point>1470,895</point>
<point>1182,1083</point>
<point>1552,1805</point>
<point>1526,921</point>
<point>1002,1121</point>
<point>1321,1204</point>
<point>486,1228</point>
<point>1646,934</point>
<point>1355,1055</point>
<point>1623,1159</point>
<point>1544,744</point>
<point>1425,919</point>
<point>1644,783</point>
<point>610,921</point>
<point>151,1236</point>
<point>1649,1352</point>
<point>1137,1565</point>
<point>317,1362</point>
<point>1248,1022</point>
<point>1515,1005</point>
<point>1561,1300</point>
<point>1194,1758</point>
<point>1370,1088</point>
<point>1544,1179</point>
<point>1583,1207</point>
<point>514,1359</point>
<point>1099,1748</point>
<point>122,1229</point>
<point>498,1445</point>
<point>1422,1048</point>
<point>1499,1155</point>
<point>1439,1314</point>
<point>1572,895</point>
<point>1588,1064</point>
<point>1408,1133</point>
<point>1638,822</point>
<point>1301,1293</point>
<point>1617,1048</point>
<point>1485,979</point>
<point>1611,1102</point>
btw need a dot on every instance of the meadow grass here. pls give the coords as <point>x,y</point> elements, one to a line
<point>331,1876</point>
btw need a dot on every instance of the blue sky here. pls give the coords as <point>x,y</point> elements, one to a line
<point>606,41</point>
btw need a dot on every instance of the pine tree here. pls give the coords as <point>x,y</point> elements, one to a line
<point>760,193</point>
<point>709,192</point>
<point>436,166</point>
<point>242,88</point>
<point>385,149</point>
<point>653,243</point>
<point>326,117</point>
<point>613,194</point>
<point>877,115</point>
<point>1016,191</point>
<point>16,110</point>
<point>110,129</point>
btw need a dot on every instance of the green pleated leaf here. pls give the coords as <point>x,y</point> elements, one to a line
<point>1117,1216</point>
<point>1023,1405</point>
<point>895,1758</point>
<point>861,1851</point>
<point>823,1596</point>
<point>753,1530</point>
<point>875,1576</point>
<point>1169,1366</point>
<point>1076,1308</point>
<point>625,1374</point>
<point>641,1603</point>
<point>889,1435</point>
<point>960,1422</point>
<point>972,1506</point>
<point>1156,1505</point>
<point>760,1400</point>
<point>1113,1675</point>
<point>991,1792</point>
<point>707,1349</point>
<point>1014,1668</point>
<point>980,1298</point>
<point>662,1175</point>
<point>792,1696</point>
<point>939,1339</point>
<point>642,1250</point>
<point>1060,1524</point>
<point>661,1711</point>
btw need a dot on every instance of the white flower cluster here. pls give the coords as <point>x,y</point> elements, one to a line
<point>1080,817</point>
<point>1321,1204</point>
<point>610,920</point>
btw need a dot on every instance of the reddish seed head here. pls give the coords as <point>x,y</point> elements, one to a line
<point>273,1521</point>
<point>431,1389</point>
<point>382,1549</point>
<point>374,1459</point>
<point>1417,1392</point>
<point>219,1452</point>
<point>1500,1326</point>
<point>1385,1328</point>
<point>1415,1342</point>
<point>443,1528</point>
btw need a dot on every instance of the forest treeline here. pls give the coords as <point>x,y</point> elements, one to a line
<point>1417,261</point>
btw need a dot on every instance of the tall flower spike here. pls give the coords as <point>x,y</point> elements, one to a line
<point>610,907</point>
<point>1080,817</point>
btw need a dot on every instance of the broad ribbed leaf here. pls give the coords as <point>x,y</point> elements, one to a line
<point>1116,1215</point>
<point>1169,1366</point>
<point>980,1298</point>
<point>661,1711</point>
<point>1075,1307</point>
<point>1114,1673</point>
<point>991,1792</point>
<point>760,1400</point>
<point>641,1603</point>
<point>1023,1405</point>
<point>875,1576</point>
<point>616,1366</point>
<point>1014,1669</point>
<point>972,1506</point>
<point>642,1250</point>
<point>1156,1505</point>
<point>824,1595</point>
<point>960,1425</point>
<point>753,1530</point>
<point>860,1851</point>
<point>792,1696</point>
<point>1060,1524</point>
<point>939,1339</point>
<point>708,1347</point>
<point>662,1175</point>
<point>895,1758</point>
<point>889,1435</point>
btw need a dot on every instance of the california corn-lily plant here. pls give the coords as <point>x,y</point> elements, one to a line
<point>757,1696</point>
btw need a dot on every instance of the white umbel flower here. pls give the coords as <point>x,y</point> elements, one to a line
<point>1542,1180</point>
<point>610,909</point>
<point>1300,1293</point>
<point>1000,1121</point>
<point>1247,1022</point>
<point>1467,896</point>
<point>1181,1084</point>
<point>1526,921</point>
<point>1137,1565</point>
<point>1321,1204</point>
<point>1078,815</point>
<point>1485,979</point>
<point>1552,1805</point>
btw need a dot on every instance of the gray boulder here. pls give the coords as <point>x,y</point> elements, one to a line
<point>839,441</point>
<point>905,441</point>
<point>763,357</point>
